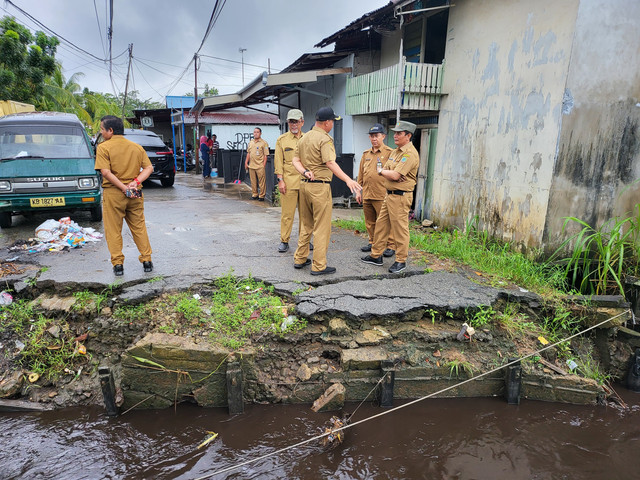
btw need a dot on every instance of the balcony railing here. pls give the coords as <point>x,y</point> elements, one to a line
<point>377,92</point>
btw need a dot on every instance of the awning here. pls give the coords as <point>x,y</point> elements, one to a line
<point>266,88</point>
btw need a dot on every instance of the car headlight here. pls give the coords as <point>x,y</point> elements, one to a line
<point>5,186</point>
<point>86,182</point>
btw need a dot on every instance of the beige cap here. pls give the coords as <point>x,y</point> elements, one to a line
<point>404,126</point>
<point>295,114</point>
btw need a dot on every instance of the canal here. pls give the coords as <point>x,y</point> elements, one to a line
<point>434,439</point>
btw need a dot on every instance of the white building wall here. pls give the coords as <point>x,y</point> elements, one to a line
<point>506,65</point>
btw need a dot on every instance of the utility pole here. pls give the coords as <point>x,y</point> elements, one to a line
<point>126,85</point>
<point>242,50</point>
<point>196,145</point>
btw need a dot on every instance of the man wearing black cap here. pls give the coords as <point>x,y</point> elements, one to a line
<point>400,179</point>
<point>373,185</point>
<point>315,160</point>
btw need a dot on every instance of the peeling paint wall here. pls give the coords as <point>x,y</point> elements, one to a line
<point>506,65</point>
<point>599,143</point>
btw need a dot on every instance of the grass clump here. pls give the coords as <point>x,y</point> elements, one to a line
<point>243,308</point>
<point>47,347</point>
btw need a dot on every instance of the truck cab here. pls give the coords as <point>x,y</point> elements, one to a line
<point>46,164</point>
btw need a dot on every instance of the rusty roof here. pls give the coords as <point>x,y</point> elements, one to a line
<point>233,118</point>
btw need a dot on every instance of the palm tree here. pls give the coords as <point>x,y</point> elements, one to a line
<point>64,95</point>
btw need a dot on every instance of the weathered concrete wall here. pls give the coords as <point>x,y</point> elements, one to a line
<point>506,65</point>
<point>599,146</point>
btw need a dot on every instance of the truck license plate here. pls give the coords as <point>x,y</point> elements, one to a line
<point>47,202</point>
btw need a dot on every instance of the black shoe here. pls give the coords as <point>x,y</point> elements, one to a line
<point>261,199</point>
<point>254,198</point>
<point>118,270</point>
<point>372,260</point>
<point>300,265</point>
<point>397,267</point>
<point>311,246</point>
<point>388,253</point>
<point>366,248</point>
<point>283,247</point>
<point>324,272</point>
<point>148,266</point>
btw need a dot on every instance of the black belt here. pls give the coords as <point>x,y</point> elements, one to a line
<point>314,181</point>
<point>396,192</point>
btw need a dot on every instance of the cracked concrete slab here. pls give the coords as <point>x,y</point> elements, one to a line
<point>364,299</point>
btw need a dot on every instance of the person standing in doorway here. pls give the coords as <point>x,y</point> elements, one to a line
<point>204,156</point>
<point>373,185</point>
<point>257,153</point>
<point>399,173</point>
<point>288,176</point>
<point>124,165</point>
<point>215,147</point>
<point>315,160</point>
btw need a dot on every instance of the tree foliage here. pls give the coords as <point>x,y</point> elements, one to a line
<point>208,92</point>
<point>26,61</point>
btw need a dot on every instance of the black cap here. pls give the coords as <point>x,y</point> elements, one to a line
<point>326,113</point>
<point>377,128</point>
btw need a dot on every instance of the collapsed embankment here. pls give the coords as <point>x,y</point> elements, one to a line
<point>165,346</point>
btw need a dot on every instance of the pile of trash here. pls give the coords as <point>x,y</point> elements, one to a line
<point>58,235</point>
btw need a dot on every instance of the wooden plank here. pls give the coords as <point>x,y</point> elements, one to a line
<point>552,367</point>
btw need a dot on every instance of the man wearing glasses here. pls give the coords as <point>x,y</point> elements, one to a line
<point>315,159</point>
<point>288,177</point>
<point>400,179</point>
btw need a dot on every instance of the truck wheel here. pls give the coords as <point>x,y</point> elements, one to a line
<point>5,219</point>
<point>96,214</point>
<point>168,182</point>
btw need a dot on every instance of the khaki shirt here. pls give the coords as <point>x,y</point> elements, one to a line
<point>258,151</point>
<point>123,157</point>
<point>373,185</point>
<point>404,160</point>
<point>285,148</point>
<point>314,150</point>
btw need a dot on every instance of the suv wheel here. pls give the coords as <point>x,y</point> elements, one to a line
<point>168,182</point>
<point>96,214</point>
<point>5,219</point>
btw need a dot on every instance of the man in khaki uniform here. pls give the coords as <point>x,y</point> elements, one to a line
<point>315,160</point>
<point>124,165</point>
<point>257,153</point>
<point>373,185</point>
<point>288,176</point>
<point>400,179</point>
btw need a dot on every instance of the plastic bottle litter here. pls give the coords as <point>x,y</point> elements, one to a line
<point>287,322</point>
<point>6,298</point>
<point>571,364</point>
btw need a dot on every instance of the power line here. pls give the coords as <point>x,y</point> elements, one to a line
<point>38,22</point>
<point>95,7</point>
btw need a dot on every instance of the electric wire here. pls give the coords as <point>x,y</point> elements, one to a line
<point>42,25</point>
<point>95,7</point>
<point>394,409</point>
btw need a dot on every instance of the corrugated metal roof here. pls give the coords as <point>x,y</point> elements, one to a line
<point>233,118</point>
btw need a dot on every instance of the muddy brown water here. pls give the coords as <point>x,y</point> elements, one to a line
<point>433,439</point>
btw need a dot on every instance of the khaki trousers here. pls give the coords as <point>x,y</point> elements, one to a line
<point>258,179</point>
<point>116,207</point>
<point>314,207</point>
<point>288,202</point>
<point>393,221</point>
<point>371,210</point>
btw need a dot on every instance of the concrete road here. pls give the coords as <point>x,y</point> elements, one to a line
<point>199,229</point>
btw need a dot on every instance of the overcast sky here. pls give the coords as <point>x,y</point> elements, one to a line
<point>166,33</point>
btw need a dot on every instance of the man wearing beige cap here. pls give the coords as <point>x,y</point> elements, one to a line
<point>315,160</point>
<point>400,179</point>
<point>288,176</point>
